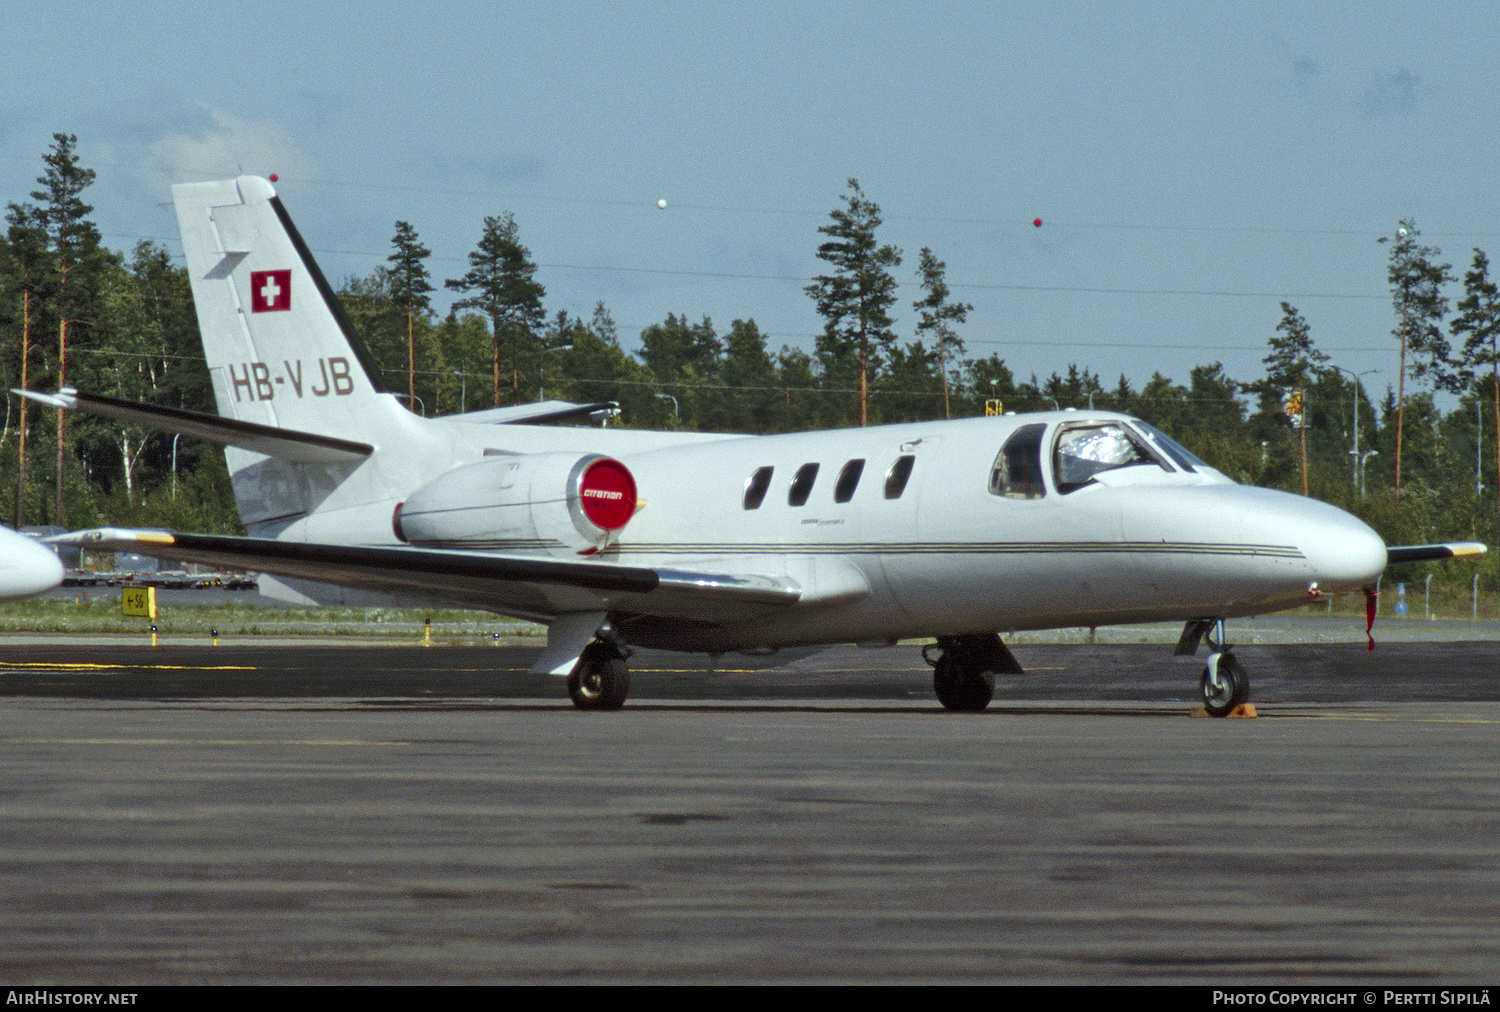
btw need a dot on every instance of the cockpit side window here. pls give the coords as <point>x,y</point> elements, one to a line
<point>1181,455</point>
<point>1082,451</point>
<point>1017,473</point>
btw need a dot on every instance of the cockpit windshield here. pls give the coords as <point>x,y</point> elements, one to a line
<point>1082,451</point>
<point>1181,455</point>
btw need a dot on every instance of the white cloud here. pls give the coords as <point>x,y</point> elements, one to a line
<point>225,146</point>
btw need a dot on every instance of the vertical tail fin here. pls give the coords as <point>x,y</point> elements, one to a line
<point>281,352</point>
<point>280,348</point>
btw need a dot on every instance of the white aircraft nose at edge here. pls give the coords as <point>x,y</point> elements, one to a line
<point>27,567</point>
<point>954,531</point>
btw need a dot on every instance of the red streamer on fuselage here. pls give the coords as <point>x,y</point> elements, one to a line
<point>1370,602</point>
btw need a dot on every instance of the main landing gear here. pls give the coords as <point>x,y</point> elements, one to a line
<point>964,670</point>
<point>1225,684</point>
<point>600,680</point>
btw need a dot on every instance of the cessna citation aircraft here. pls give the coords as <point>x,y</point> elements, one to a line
<point>954,531</point>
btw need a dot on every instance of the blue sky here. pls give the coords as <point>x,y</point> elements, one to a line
<point>1193,165</point>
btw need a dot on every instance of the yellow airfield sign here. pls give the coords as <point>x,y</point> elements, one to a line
<point>139,601</point>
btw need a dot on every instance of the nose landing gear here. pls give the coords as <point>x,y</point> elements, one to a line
<point>1225,684</point>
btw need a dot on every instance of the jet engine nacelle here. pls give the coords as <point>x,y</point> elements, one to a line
<point>560,503</point>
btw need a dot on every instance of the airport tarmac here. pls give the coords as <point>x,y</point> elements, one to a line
<point>320,812</point>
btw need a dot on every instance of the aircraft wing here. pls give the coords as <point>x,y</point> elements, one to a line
<point>508,584</point>
<point>1424,553</point>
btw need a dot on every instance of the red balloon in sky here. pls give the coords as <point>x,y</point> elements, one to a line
<point>1037,222</point>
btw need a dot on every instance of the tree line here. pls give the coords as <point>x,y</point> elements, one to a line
<point>73,312</point>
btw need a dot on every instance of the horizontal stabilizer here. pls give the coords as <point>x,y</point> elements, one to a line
<point>483,578</point>
<point>535,414</point>
<point>285,444</point>
<point>1424,553</point>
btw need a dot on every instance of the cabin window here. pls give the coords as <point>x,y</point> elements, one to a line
<point>896,477</point>
<point>1017,473</point>
<point>848,481</point>
<point>756,486</point>
<point>802,483</point>
<point>1082,451</point>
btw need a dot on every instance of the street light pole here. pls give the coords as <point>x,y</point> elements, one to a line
<point>1364,457</point>
<point>1358,469</point>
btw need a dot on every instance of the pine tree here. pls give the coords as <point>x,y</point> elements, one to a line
<point>501,278</point>
<point>937,316</point>
<point>177,374</point>
<point>752,404</point>
<point>1078,389</point>
<point>909,386</point>
<point>1293,361</point>
<point>1417,295</point>
<point>409,288</point>
<point>30,269</point>
<point>1292,366</point>
<point>1478,321</point>
<point>602,372</point>
<point>856,298</point>
<point>684,358</point>
<point>73,243</point>
<point>135,338</point>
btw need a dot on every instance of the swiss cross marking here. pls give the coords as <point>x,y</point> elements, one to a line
<point>270,291</point>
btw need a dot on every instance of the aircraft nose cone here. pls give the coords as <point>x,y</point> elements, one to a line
<point>27,568</point>
<point>1343,551</point>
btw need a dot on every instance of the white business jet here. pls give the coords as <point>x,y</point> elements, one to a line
<point>952,531</point>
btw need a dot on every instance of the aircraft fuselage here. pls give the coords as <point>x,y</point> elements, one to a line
<point>877,558</point>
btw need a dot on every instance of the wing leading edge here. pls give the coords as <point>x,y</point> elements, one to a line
<point>502,583</point>
<point>1425,553</point>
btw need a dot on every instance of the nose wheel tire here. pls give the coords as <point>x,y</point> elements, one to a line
<point>961,688</point>
<point>599,682</point>
<point>1225,685</point>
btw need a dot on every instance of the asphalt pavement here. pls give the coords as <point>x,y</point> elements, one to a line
<point>309,812</point>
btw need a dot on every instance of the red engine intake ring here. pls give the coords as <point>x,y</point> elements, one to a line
<point>606,494</point>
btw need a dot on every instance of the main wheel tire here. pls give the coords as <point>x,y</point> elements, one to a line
<point>599,683</point>
<point>1227,690</point>
<point>960,689</point>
